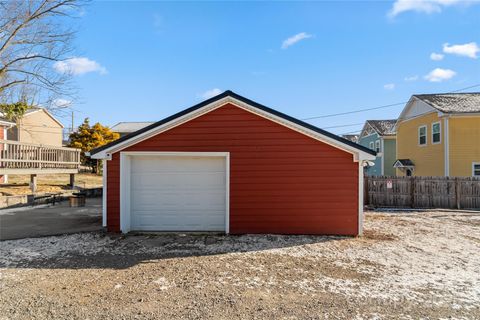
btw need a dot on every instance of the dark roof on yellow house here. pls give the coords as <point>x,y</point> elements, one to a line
<point>452,102</point>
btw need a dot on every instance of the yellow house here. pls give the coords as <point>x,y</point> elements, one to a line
<point>439,135</point>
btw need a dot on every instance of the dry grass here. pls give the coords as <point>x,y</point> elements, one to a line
<point>48,183</point>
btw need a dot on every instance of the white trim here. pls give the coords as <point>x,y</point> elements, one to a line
<point>360,198</point>
<point>473,168</point>
<point>377,143</point>
<point>371,145</point>
<point>219,103</point>
<point>402,117</point>
<point>382,168</point>
<point>104,194</point>
<point>446,149</point>
<point>426,135</point>
<point>440,133</point>
<point>125,163</point>
<point>7,124</point>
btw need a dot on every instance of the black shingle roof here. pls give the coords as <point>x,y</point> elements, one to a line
<point>232,94</point>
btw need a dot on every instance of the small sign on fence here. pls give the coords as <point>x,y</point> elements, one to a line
<point>389,184</point>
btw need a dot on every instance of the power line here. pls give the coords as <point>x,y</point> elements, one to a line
<point>344,125</point>
<point>379,107</point>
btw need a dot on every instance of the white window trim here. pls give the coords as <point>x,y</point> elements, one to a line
<point>439,133</point>
<point>371,145</point>
<point>125,165</point>
<point>426,136</point>
<point>377,143</point>
<point>473,168</point>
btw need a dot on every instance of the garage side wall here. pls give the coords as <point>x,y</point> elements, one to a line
<point>281,181</point>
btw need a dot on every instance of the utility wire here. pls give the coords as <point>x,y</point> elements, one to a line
<point>380,107</point>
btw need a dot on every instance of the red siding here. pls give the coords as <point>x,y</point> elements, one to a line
<point>281,181</point>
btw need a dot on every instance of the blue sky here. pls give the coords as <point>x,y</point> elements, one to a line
<point>143,61</point>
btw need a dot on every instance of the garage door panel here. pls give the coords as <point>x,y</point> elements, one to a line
<point>178,181</point>
<point>178,193</point>
<point>172,164</point>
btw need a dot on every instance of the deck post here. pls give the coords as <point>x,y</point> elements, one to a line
<point>72,180</point>
<point>33,183</point>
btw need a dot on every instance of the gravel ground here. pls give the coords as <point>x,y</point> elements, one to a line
<point>406,266</point>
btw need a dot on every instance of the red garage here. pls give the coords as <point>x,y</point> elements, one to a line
<point>232,165</point>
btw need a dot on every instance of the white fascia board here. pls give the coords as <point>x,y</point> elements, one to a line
<point>358,154</point>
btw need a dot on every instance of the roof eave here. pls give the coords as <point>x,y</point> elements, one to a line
<point>359,151</point>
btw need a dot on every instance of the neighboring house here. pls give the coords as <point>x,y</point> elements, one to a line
<point>439,135</point>
<point>5,124</point>
<point>351,137</point>
<point>379,135</point>
<point>124,128</point>
<point>37,126</point>
<point>231,165</point>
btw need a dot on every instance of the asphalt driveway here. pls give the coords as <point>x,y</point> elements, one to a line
<point>29,222</point>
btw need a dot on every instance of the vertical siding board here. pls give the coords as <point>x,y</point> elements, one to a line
<point>299,193</point>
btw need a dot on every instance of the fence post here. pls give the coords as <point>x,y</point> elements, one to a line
<point>457,193</point>
<point>412,192</point>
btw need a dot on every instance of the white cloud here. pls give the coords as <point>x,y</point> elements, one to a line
<point>436,56</point>
<point>467,50</point>
<point>439,75</point>
<point>61,103</point>
<point>389,86</point>
<point>411,78</point>
<point>424,6</point>
<point>294,39</point>
<point>78,66</point>
<point>211,93</point>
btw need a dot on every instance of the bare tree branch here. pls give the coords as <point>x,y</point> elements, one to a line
<point>33,35</point>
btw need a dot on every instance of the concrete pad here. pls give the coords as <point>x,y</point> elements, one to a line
<point>48,220</point>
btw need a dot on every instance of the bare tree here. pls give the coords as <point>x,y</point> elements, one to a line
<point>34,34</point>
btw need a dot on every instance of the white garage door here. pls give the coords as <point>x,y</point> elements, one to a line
<point>178,193</point>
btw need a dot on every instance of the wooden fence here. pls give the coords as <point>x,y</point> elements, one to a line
<point>423,192</point>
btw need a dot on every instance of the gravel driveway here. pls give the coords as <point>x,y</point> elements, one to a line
<point>408,265</point>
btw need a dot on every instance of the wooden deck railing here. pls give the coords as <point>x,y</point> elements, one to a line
<point>28,158</point>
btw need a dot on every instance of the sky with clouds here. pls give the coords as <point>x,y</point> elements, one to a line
<point>145,61</point>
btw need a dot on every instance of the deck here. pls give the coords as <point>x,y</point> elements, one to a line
<point>28,158</point>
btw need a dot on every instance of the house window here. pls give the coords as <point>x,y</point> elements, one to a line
<point>422,135</point>
<point>377,146</point>
<point>371,145</point>
<point>476,169</point>
<point>436,132</point>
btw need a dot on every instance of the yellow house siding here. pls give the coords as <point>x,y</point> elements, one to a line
<point>39,128</point>
<point>428,159</point>
<point>464,144</point>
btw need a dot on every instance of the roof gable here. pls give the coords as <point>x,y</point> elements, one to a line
<point>239,101</point>
<point>380,127</point>
<point>413,109</point>
<point>35,110</point>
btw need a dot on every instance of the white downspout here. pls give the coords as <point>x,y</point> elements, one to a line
<point>446,148</point>
<point>382,150</point>
<point>360,197</point>
<point>104,194</point>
